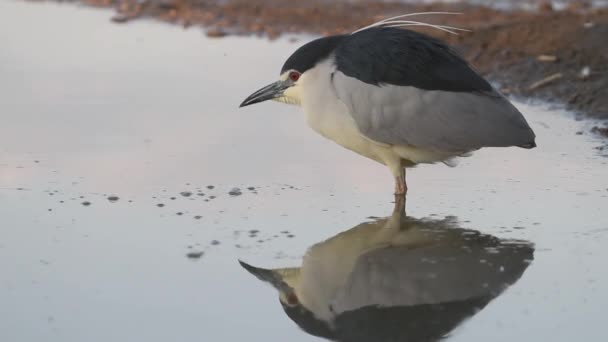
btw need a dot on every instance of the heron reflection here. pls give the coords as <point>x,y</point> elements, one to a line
<point>396,279</point>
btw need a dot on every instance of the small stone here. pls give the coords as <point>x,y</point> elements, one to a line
<point>215,242</point>
<point>235,192</point>
<point>186,193</point>
<point>210,187</point>
<point>86,203</point>
<point>160,205</point>
<point>113,198</point>
<point>585,73</point>
<point>547,58</point>
<point>545,6</point>
<point>216,33</point>
<point>195,255</point>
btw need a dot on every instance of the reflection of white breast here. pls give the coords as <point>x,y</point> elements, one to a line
<point>328,265</point>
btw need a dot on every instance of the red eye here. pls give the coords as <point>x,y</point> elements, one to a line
<point>294,76</point>
<point>292,299</point>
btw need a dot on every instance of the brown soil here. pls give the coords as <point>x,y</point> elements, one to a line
<point>560,56</point>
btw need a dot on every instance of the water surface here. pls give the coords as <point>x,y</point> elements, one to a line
<point>147,113</point>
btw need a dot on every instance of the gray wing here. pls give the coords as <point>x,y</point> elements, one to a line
<point>433,274</point>
<point>432,119</point>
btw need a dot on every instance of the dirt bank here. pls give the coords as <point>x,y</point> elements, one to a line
<point>560,56</point>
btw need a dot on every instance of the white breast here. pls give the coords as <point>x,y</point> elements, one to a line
<point>328,116</point>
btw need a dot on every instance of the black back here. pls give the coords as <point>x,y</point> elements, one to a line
<point>406,58</point>
<point>392,56</point>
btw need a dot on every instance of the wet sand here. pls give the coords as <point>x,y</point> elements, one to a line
<point>551,53</point>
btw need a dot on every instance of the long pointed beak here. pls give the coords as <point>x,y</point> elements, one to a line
<point>268,276</point>
<point>269,92</point>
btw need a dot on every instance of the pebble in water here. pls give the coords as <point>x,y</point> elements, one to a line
<point>160,205</point>
<point>195,255</point>
<point>86,203</point>
<point>198,217</point>
<point>113,198</point>
<point>235,192</point>
<point>215,242</point>
<point>210,187</point>
<point>186,193</point>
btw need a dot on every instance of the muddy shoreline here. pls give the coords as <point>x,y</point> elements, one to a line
<point>556,56</point>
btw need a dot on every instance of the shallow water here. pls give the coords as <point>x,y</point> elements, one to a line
<point>148,113</point>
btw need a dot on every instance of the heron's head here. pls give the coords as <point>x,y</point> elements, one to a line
<point>295,72</point>
<point>283,280</point>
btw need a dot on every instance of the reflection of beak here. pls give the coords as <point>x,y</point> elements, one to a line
<point>269,276</point>
<point>269,92</point>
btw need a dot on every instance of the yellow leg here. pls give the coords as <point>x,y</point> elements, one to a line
<point>400,184</point>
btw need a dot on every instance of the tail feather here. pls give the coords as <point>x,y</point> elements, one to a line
<point>529,145</point>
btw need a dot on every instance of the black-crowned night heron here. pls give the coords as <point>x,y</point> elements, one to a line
<point>396,279</point>
<point>396,96</point>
